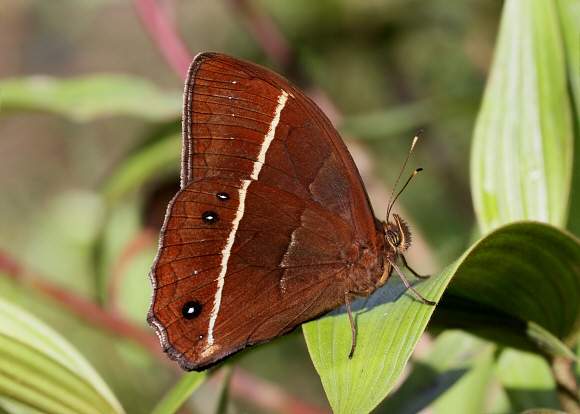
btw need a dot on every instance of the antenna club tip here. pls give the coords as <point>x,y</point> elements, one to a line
<point>415,140</point>
<point>419,169</point>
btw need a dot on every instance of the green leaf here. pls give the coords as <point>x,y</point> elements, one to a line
<point>470,395</point>
<point>389,324</point>
<point>378,125</point>
<point>520,286</point>
<point>142,166</point>
<point>91,97</point>
<point>180,393</point>
<point>39,369</point>
<point>521,159</point>
<point>527,379</point>
<point>223,400</point>
<point>569,13</point>
<point>452,357</point>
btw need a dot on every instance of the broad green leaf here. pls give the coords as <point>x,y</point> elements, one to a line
<point>520,285</point>
<point>180,393</point>
<point>470,395</point>
<point>569,13</point>
<point>91,97</point>
<point>389,324</point>
<point>11,407</point>
<point>39,369</point>
<point>521,159</point>
<point>527,379</point>
<point>453,356</point>
<point>142,166</point>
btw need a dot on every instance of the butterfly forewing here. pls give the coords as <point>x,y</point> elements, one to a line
<point>259,239</point>
<point>229,108</point>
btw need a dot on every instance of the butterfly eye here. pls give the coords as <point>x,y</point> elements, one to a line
<point>210,216</point>
<point>394,238</point>
<point>191,309</point>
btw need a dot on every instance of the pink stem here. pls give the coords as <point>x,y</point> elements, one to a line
<point>164,34</point>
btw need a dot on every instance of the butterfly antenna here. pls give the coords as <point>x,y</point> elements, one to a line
<point>391,200</point>
<point>399,193</point>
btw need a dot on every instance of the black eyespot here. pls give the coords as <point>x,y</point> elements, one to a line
<point>223,196</point>
<point>191,309</point>
<point>210,216</point>
<point>394,237</point>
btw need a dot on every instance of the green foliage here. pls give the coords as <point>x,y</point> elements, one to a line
<point>92,97</point>
<point>389,324</point>
<point>41,370</point>
<point>179,393</point>
<point>504,297</point>
<point>507,305</point>
<point>521,158</point>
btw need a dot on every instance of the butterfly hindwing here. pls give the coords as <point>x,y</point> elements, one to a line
<point>267,289</point>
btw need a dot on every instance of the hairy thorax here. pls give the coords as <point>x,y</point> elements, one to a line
<point>367,265</point>
<point>371,265</point>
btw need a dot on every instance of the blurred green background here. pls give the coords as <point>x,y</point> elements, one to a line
<point>90,148</point>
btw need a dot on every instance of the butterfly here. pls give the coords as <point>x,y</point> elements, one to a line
<point>272,226</point>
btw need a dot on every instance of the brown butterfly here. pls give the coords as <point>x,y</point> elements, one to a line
<point>272,226</point>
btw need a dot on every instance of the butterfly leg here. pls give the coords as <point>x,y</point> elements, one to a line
<point>417,275</point>
<point>352,328</point>
<point>408,286</point>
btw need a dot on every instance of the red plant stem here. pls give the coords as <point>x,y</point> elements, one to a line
<point>83,308</point>
<point>265,32</point>
<point>164,34</point>
<point>141,241</point>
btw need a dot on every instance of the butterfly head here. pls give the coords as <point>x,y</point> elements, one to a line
<point>397,236</point>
